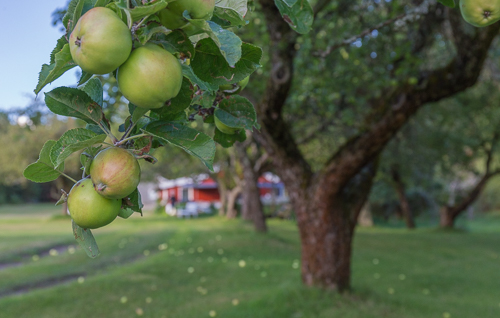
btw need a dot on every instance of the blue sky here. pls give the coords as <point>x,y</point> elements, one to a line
<point>26,40</point>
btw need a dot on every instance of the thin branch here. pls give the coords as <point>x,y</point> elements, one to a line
<point>63,174</point>
<point>353,39</point>
<point>108,132</point>
<point>128,131</point>
<point>324,125</point>
<point>261,162</point>
<point>402,18</point>
<point>121,142</point>
<point>399,105</point>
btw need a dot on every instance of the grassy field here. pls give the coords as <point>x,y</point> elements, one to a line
<point>210,267</point>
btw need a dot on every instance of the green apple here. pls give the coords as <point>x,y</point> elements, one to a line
<point>480,13</point>
<point>115,173</point>
<point>171,17</point>
<point>100,41</point>
<point>224,128</point>
<point>230,89</point>
<point>150,77</point>
<point>88,209</point>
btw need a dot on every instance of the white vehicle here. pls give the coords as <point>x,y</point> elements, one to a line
<point>190,210</point>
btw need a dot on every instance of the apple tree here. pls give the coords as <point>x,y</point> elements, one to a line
<point>331,103</point>
<point>175,62</point>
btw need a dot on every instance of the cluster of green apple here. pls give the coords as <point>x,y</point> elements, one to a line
<point>148,76</point>
<point>96,201</point>
<point>480,13</point>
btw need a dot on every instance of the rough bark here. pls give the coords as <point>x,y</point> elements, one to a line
<point>326,222</point>
<point>251,207</point>
<point>232,196</point>
<point>400,188</point>
<point>328,202</point>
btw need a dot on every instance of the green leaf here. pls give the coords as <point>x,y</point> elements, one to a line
<point>80,9</point>
<point>95,128</point>
<point>228,43</point>
<point>240,6</point>
<point>59,46</point>
<point>298,14</point>
<point>231,16</point>
<point>43,170</point>
<point>72,102</point>
<point>87,156</point>
<point>188,72</point>
<point>71,141</point>
<point>68,17</point>
<point>86,240</point>
<point>49,73</point>
<point>448,3</point>
<point>133,202</point>
<point>194,142</point>
<point>236,112</point>
<point>150,29</point>
<point>179,102</point>
<point>140,12</point>
<point>63,199</point>
<point>93,88</point>
<point>208,60</point>
<point>84,78</point>
<point>206,99</point>
<point>176,41</point>
<point>125,213</point>
<point>101,3</point>
<point>226,140</point>
<point>138,113</point>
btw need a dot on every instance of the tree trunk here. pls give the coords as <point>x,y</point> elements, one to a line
<point>251,209</point>
<point>326,246</point>
<point>446,218</point>
<point>223,197</point>
<point>232,196</point>
<point>403,199</point>
<point>327,201</point>
<point>326,221</point>
<point>448,214</point>
<point>365,218</point>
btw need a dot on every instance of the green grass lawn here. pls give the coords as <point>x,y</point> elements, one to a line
<point>211,267</point>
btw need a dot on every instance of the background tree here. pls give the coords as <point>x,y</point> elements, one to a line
<point>365,110</point>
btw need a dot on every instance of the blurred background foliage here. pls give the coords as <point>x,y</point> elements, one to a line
<point>439,153</point>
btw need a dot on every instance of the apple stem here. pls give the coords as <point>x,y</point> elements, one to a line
<point>129,130</point>
<point>148,158</point>
<point>121,142</point>
<point>107,132</point>
<point>78,42</point>
<point>100,187</point>
<point>62,173</point>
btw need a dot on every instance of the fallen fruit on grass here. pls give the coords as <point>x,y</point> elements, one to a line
<point>88,209</point>
<point>100,41</point>
<point>115,173</point>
